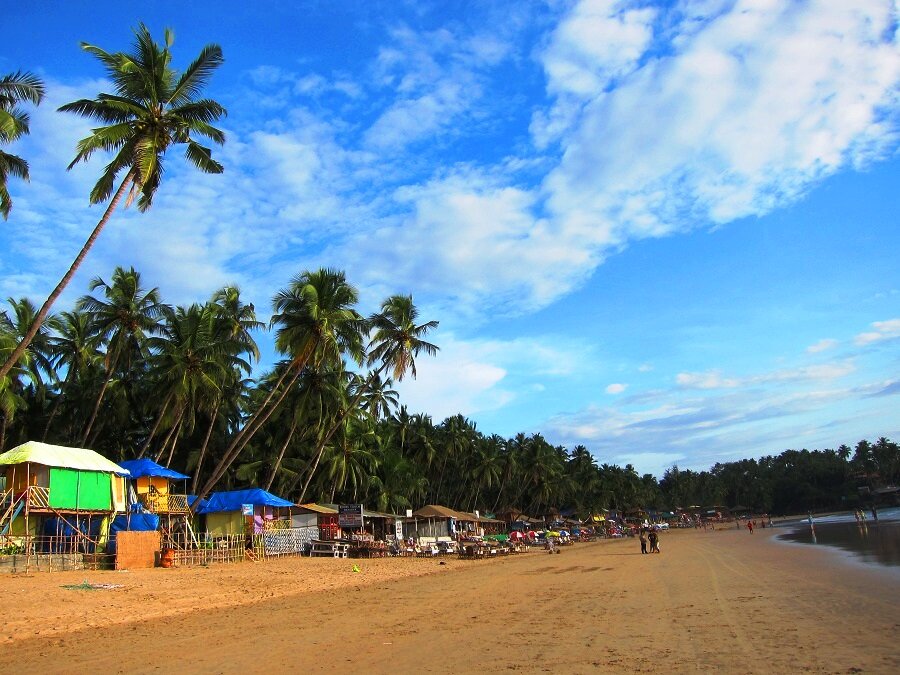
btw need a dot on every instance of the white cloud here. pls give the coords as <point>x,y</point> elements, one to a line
<point>469,376</point>
<point>883,330</point>
<point>710,380</point>
<point>821,346</point>
<point>747,111</point>
<point>616,388</point>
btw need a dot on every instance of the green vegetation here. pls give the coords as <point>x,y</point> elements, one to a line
<point>133,376</point>
<point>153,107</point>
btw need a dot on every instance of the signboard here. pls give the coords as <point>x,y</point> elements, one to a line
<point>247,509</point>
<point>398,529</point>
<point>350,516</point>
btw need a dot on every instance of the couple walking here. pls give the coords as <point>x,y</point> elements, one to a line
<point>653,538</point>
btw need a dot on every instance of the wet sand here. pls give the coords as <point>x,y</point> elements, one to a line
<point>724,601</point>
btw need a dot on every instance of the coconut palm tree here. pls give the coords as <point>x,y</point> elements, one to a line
<point>153,107</point>
<point>396,343</point>
<point>316,326</point>
<point>14,123</point>
<point>124,320</point>
<point>75,350</point>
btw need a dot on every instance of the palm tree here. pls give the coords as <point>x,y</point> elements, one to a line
<point>378,398</point>
<point>14,89</point>
<point>397,341</point>
<point>317,325</point>
<point>127,316</point>
<point>74,348</point>
<point>153,107</point>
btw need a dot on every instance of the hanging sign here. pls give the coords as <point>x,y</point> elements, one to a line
<point>247,509</point>
<point>350,516</point>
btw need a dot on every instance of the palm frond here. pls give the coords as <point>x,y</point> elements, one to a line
<point>21,86</point>
<point>12,165</point>
<point>197,74</point>
<point>201,157</point>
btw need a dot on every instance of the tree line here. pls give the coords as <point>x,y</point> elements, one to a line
<point>129,375</point>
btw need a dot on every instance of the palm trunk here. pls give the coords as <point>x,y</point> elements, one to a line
<point>165,443</point>
<point>56,404</point>
<point>57,291</point>
<point>90,424</point>
<point>287,441</point>
<point>256,421</point>
<point>159,419</point>
<point>175,436</point>
<point>3,433</point>
<point>212,423</point>
<point>320,448</point>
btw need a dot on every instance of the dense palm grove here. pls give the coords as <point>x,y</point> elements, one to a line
<point>129,375</point>
<point>125,373</point>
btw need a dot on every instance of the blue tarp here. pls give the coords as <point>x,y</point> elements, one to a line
<point>232,501</point>
<point>56,529</point>
<point>147,467</point>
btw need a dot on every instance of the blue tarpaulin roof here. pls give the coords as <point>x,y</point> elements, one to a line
<point>147,467</point>
<point>232,501</point>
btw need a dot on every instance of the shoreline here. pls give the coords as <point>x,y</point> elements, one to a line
<point>721,600</point>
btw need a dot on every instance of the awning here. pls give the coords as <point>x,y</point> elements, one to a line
<point>218,502</point>
<point>138,468</point>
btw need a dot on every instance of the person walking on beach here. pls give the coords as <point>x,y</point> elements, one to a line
<point>750,526</point>
<point>643,538</point>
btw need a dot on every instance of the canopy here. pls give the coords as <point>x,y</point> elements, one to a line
<point>232,501</point>
<point>60,456</point>
<point>139,468</point>
<point>435,511</point>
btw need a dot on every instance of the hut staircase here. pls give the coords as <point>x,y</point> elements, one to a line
<point>12,506</point>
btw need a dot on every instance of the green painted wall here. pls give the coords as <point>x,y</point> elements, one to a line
<point>71,489</point>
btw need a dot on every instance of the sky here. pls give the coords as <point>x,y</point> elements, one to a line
<point>667,231</point>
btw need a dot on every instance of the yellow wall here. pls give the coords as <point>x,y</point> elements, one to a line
<point>142,484</point>
<point>118,493</point>
<point>229,522</point>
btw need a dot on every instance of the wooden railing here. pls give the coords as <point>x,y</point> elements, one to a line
<point>157,503</point>
<point>39,497</point>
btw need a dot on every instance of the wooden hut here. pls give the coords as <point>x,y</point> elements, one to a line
<point>57,499</point>
<point>161,491</point>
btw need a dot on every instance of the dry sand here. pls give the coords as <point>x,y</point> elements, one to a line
<point>723,601</point>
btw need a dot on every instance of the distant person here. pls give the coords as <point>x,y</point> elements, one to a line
<point>654,541</point>
<point>750,526</point>
<point>643,538</point>
<point>874,513</point>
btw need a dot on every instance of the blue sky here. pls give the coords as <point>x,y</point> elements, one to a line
<point>667,231</point>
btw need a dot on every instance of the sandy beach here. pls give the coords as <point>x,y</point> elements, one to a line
<point>723,601</point>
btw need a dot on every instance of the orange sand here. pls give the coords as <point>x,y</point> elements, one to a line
<point>723,601</point>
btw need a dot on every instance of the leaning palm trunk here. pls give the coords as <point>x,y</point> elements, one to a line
<point>320,448</point>
<point>159,419</point>
<point>94,413</point>
<point>172,431</point>
<point>67,277</point>
<point>175,436</point>
<point>209,430</point>
<point>56,405</point>
<point>277,465</point>
<point>256,421</point>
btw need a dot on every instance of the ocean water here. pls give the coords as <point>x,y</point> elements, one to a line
<point>871,542</point>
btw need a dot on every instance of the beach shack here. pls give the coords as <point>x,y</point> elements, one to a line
<point>258,519</point>
<point>315,522</point>
<point>162,492</point>
<point>57,500</point>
